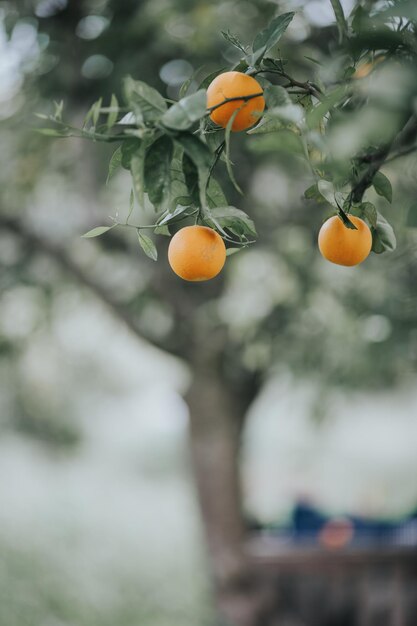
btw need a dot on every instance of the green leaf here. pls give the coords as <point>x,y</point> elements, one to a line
<point>58,107</point>
<point>313,193</point>
<point>234,40</point>
<point>227,151</point>
<point>191,178</point>
<point>230,217</point>
<point>186,112</point>
<point>157,172</point>
<point>313,60</point>
<point>113,114</point>
<point>146,103</point>
<point>327,190</point>
<point>185,87</point>
<point>131,205</point>
<point>137,171</point>
<point>129,147</point>
<point>95,111</point>
<point>147,246</point>
<point>383,236</point>
<point>267,38</point>
<point>231,251</point>
<point>96,232</point>
<point>364,210</point>
<point>289,114</point>
<point>214,138</point>
<point>276,96</point>
<point>382,186</point>
<point>242,66</point>
<point>370,213</point>
<point>170,216</point>
<point>267,126</point>
<point>178,184</point>
<point>162,230</point>
<point>115,163</point>
<point>53,132</point>
<point>215,195</point>
<point>360,18</point>
<point>209,79</point>
<point>315,115</point>
<point>201,156</point>
<point>340,18</point>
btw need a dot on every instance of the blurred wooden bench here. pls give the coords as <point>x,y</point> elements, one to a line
<point>353,586</point>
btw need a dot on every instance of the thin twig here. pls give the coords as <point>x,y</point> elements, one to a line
<point>234,99</point>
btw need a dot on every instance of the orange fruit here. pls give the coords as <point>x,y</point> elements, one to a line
<point>235,85</point>
<point>196,253</point>
<point>342,245</point>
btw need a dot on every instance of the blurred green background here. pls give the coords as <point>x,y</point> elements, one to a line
<point>99,522</point>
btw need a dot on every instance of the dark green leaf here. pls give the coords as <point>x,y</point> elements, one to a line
<point>137,171</point>
<point>383,236</point>
<point>184,113</point>
<point>267,38</point>
<point>147,246</point>
<point>382,186</point>
<point>227,151</point>
<point>129,147</point>
<point>201,156</point>
<point>340,19</point>
<point>215,195</point>
<point>191,178</point>
<point>360,19</point>
<point>146,103</point>
<point>209,79</point>
<point>157,173</point>
<point>365,210</point>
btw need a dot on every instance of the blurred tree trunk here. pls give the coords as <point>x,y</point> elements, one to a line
<point>215,432</point>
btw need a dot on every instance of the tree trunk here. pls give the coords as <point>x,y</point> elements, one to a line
<point>215,429</point>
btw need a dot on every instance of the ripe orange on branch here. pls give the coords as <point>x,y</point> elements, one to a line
<point>235,85</point>
<point>345,246</point>
<point>196,253</point>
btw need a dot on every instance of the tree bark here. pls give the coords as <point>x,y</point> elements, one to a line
<point>215,430</point>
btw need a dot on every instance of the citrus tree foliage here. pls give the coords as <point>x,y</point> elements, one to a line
<point>173,149</point>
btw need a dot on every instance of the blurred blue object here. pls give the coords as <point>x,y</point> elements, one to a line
<point>310,526</point>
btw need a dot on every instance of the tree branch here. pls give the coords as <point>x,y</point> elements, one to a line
<point>406,136</point>
<point>60,256</point>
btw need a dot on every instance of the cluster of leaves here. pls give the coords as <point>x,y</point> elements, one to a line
<point>172,148</point>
